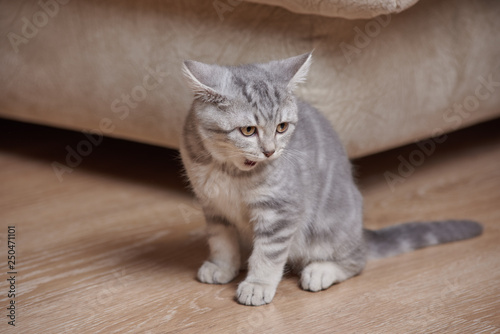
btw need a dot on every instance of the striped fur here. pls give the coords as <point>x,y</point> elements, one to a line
<point>298,206</point>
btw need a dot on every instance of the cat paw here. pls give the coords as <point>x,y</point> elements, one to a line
<point>255,294</point>
<point>211,273</point>
<point>319,276</point>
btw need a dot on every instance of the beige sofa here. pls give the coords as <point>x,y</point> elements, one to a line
<point>114,67</point>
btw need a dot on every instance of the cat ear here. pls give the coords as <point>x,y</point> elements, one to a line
<point>295,69</point>
<point>200,77</point>
<point>300,67</point>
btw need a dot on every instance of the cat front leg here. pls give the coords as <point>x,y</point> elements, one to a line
<point>265,265</point>
<point>223,264</point>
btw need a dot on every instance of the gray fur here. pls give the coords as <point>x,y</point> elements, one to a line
<point>402,238</point>
<point>298,206</point>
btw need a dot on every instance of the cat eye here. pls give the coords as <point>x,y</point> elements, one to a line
<point>282,127</point>
<point>248,130</point>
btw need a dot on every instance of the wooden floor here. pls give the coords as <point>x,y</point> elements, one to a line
<point>113,247</point>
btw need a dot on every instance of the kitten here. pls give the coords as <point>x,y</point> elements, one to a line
<point>275,182</point>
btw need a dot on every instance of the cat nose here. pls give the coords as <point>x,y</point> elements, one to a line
<point>268,153</point>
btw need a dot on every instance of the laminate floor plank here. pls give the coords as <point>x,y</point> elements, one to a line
<point>114,246</point>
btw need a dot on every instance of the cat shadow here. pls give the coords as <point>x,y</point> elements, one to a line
<point>175,252</point>
<point>178,254</point>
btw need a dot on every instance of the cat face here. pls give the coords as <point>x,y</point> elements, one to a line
<point>246,115</point>
<point>244,135</point>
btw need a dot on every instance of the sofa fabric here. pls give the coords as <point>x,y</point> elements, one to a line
<point>114,67</point>
<point>350,9</point>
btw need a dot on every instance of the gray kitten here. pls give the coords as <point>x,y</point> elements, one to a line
<point>275,183</point>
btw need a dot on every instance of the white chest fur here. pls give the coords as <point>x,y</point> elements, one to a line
<point>222,193</point>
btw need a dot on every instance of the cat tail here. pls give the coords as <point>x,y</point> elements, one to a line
<point>407,237</point>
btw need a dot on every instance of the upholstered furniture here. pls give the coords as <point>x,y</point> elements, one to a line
<point>114,67</point>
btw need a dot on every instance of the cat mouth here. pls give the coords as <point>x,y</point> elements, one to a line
<point>250,163</point>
